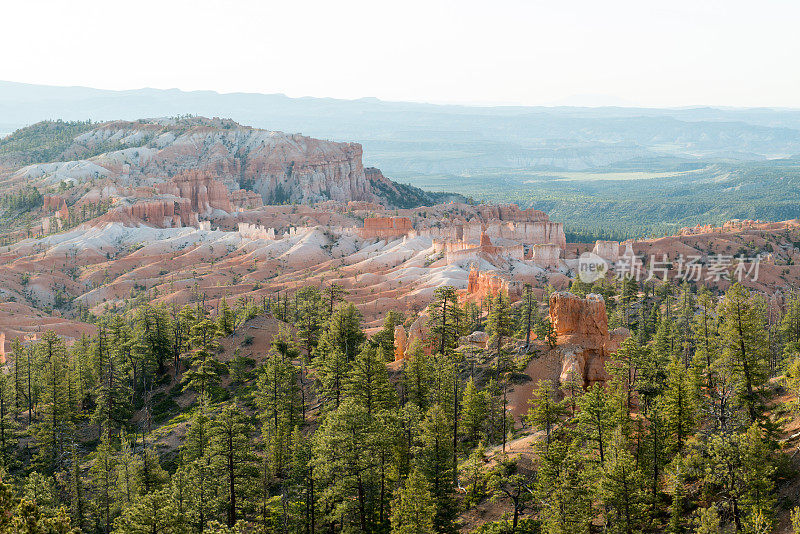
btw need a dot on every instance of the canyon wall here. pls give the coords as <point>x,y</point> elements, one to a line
<point>546,255</point>
<point>203,191</point>
<point>278,167</point>
<point>166,212</point>
<point>385,227</point>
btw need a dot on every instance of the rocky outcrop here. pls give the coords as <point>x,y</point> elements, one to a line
<point>608,250</point>
<point>418,333</point>
<point>459,251</point>
<point>573,317</point>
<point>500,232</point>
<point>256,231</point>
<point>385,227</point>
<point>511,212</point>
<point>581,326</point>
<point>481,285</point>
<point>546,255</point>
<point>400,342</point>
<point>278,167</point>
<point>204,192</point>
<point>163,212</point>
<point>246,200</point>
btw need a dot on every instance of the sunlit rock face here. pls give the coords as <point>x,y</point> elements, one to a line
<point>581,327</point>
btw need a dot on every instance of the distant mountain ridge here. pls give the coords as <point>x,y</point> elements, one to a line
<point>414,138</point>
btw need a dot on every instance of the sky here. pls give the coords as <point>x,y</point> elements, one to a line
<point>524,52</point>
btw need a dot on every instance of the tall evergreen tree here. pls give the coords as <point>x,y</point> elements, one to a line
<point>230,447</point>
<point>745,345</point>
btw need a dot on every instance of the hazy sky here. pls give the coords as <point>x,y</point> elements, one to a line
<point>643,52</point>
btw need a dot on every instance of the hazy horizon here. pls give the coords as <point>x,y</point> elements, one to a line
<point>577,101</point>
<point>522,53</point>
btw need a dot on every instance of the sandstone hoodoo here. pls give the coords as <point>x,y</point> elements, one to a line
<point>400,342</point>
<point>482,285</point>
<point>583,339</point>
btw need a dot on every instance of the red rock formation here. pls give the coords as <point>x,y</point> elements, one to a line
<point>511,212</point>
<point>545,255</point>
<point>581,326</point>
<point>166,212</point>
<point>608,250</point>
<point>482,284</point>
<point>246,200</point>
<point>363,205</point>
<point>51,203</point>
<point>574,316</point>
<point>385,227</point>
<point>204,192</point>
<point>418,333</point>
<point>400,342</point>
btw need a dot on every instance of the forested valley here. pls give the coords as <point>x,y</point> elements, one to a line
<point>149,426</point>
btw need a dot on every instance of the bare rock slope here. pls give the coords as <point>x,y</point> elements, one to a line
<point>279,167</point>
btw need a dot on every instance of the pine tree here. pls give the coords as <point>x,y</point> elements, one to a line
<point>745,345</point>
<point>112,407</point>
<point>342,332</point>
<point>514,483</point>
<point>103,474</point>
<point>704,331</point>
<point>653,454</point>
<point>445,320</point>
<point>204,372</point>
<point>151,513</point>
<point>795,517</point>
<point>346,468</point>
<point>473,413</point>
<point>310,314</point>
<point>154,333</point>
<point>413,509</point>
<point>8,426</point>
<point>333,368</point>
<point>499,324</point>
<point>622,491</point>
<point>197,462</point>
<point>417,376</point>
<point>679,404</point>
<point>740,472</point>
<point>528,314</point>
<point>332,295</point>
<point>474,476</point>
<point>303,478</point>
<point>563,489</point>
<point>434,460</point>
<point>54,427</point>
<point>500,328</point>
<point>368,381</point>
<point>76,489</point>
<point>230,448</point>
<point>623,370</point>
<point>277,399</point>
<point>708,521</point>
<point>226,319</point>
<point>595,419</point>
<point>384,338</point>
<point>545,411</point>
<point>128,466</point>
<point>678,507</point>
